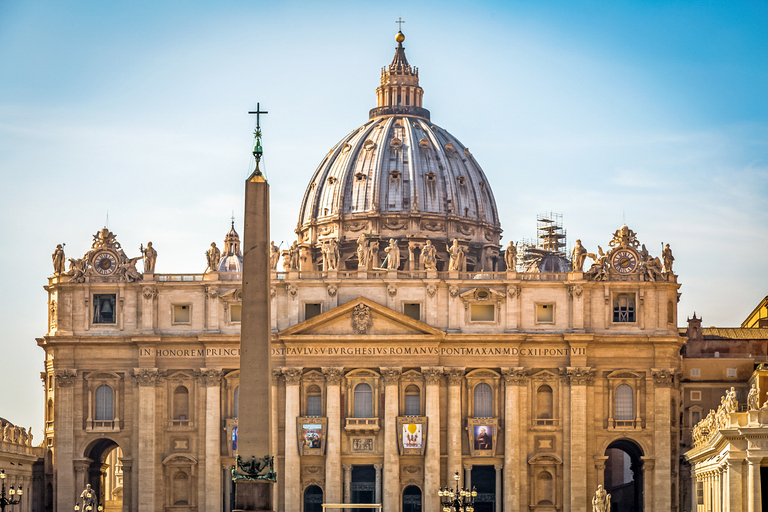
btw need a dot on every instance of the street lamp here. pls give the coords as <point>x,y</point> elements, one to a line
<point>88,497</point>
<point>458,499</point>
<point>11,492</point>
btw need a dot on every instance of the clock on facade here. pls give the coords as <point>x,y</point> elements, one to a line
<point>105,263</point>
<point>624,261</point>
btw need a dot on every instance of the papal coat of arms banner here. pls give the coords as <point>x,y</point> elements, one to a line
<point>412,434</point>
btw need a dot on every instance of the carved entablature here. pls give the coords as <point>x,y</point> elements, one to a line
<point>628,260</point>
<point>517,375</point>
<point>432,374</point>
<point>208,377</point>
<point>663,377</point>
<point>312,475</point>
<point>65,378</point>
<point>580,375</point>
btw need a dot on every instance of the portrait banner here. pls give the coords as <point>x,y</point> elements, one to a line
<point>311,432</point>
<point>412,434</point>
<point>482,436</point>
<point>232,437</point>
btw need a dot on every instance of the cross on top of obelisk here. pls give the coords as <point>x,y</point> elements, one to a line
<point>258,111</point>
<point>400,23</point>
<point>257,149</point>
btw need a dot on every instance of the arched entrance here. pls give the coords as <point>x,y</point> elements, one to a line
<point>313,499</point>
<point>105,474</point>
<point>624,476</point>
<point>411,499</point>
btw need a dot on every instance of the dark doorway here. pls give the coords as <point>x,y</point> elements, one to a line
<point>105,473</point>
<point>412,499</point>
<point>313,499</point>
<point>484,481</point>
<point>624,476</point>
<point>363,488</point>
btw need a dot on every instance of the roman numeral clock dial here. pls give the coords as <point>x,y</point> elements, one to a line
<point>624,261</point>
<point>105,263</point>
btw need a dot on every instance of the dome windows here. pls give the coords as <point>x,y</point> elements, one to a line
<point>346,148</point>
<point>431,176</point>
<point>424,143</point>
<point>462,180</point>
<point>332,180</point>
<point>396,144</point>
<point>395,174</point>
<point>359,176</point>
<point>369,145</point>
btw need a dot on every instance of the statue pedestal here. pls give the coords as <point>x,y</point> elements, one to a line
<point>362,274</point>
<point>576,276</point>
<point>511,274</point>
<point>391,274</point>
<point>252,496</point>
<point>211,276</point>
<point>148,276</point>
<point>431,274</point>
<point>293,274</point>
<point>331,274</point>
<point>453,274</point>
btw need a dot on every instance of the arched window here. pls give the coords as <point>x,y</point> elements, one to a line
<point>237,402</point>
<point>181,403</point>
<point>105,410</point>
<point>181,489</point>
<point>412,400</point>
<point>624,409</point>
<point>363,401</point>
<point>483,401</point>
<point>313,499</point>
<point>544,489</point>
<point>314,401</point>
<point>50,412</point>
<point>544,403</point>
<point>411,499</point>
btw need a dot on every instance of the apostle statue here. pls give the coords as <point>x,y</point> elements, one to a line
<point>293,252</point>
<point>666,256</point>
<point>331,254</point>
<point>578,256</point>
<point>213,255</point>
<point>510,257</point>
<point>392,261</point>
<point>150,256</point>
<point>601,501</point>
<point>58,260</point>
<point>753,399</point>
<point>429,256</point>
<point>456,254</point>
<point>274,256</point>
<point>363,252</point>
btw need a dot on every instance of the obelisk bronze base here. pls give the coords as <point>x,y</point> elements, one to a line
<point>253,496</point>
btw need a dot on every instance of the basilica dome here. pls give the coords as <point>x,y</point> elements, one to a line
<point>399,176</point>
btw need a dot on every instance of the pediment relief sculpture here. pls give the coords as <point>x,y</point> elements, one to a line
<point>482,294</point>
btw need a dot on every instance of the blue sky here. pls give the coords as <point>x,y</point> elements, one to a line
<point>653,113</point>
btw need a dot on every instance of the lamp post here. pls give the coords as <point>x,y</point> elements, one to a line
<point>88,497</point>
<point>458,499</point>
<point>4,501</point>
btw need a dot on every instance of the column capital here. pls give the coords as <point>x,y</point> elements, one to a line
<point>128,464</point>
<point>333,374</point>
<point>390,375</point>
<point>292,376</point>
<point>754,461</point>
<point>498,467</point>
<point>65,378</point>
<point>276,373</point>
<point>148,376</point>
<point>81,464</point>
<point>378,467</point>
<point>455,375</point>
<point>468,467</point>
<point>347,467</point>
<point>648,463</point>
<point>663,377</point>
<point>209,377</point>
<point>517,375</point>
<point>580,375</point>
<point>432,374</point>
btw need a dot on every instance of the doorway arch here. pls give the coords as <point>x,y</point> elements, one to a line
<point>313,499</point>
<point>411,499</point>
<point>105,473</point>
<point>623,478</point>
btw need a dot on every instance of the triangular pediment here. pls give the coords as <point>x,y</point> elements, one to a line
<point>361,317</point>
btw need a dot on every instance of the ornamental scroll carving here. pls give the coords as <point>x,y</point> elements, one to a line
<point>580,376</point>
<point>431,290</point>
<point>361,319</point>
<point>331,289</point>
<point>276,373</point>
<point>147,376</point>
<point>149,292</point>
<point>432,374</point>
<point>392,290</point>
<point>65,378</point>
<point>208,377</point>
<point>292,376</point>
<point>514,291</point>
<point>517,375</point>
<point>390,375</point>
<point>455,375</point>
<point>333,375</point>
<point>663,378</point>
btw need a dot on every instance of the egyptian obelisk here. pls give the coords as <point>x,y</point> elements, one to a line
<point>253,475</point>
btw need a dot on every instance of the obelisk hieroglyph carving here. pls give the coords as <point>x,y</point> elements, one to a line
<point>254,474</point>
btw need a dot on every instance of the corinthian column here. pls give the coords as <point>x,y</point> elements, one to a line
<point>391,378</point>
<point>64,440</point>
<point>292,478</point>
<point>333,437</point>
<point>513,378</point>
<point>146,379</point>
<point>455,377</point>
<point>210,380</point>
<point>432,377</point>
<point>579,377</point>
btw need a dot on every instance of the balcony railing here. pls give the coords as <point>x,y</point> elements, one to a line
<point>362,425</point>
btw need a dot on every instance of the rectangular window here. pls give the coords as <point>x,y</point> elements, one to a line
<point>412,311</point>
<point>545,313</point>
<point>695,372</point>
<point>311,310</point>
<point>104,308</point>
<point>235,313</point>
<point>412,405</point>
<point>731,372</point>
<point>482,312</point>
<point>695,417</point>
<point>624,307</point>
<point>181,313</point>
<point>695,396</point>
<point>314,405</point>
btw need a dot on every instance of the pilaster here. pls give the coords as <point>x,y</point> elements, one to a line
<point>579,378</point>
<point>391,492</point>
<point>146,380</point>
<point>455,377</point>
<point>663,382</point>
<point>514,378</point>
<point>292,474</point>
<point>333,488</point>
<point>64,415</point>
<point>210,381</point>
<point>432,378</point>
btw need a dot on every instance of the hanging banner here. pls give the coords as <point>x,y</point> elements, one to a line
<point>311,432</point>
<point>232,437</point>
<point>482,436</point>
<point>412,434</point>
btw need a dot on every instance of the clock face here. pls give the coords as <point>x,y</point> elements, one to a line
<point>105,263</point>
<point>624,262</point>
